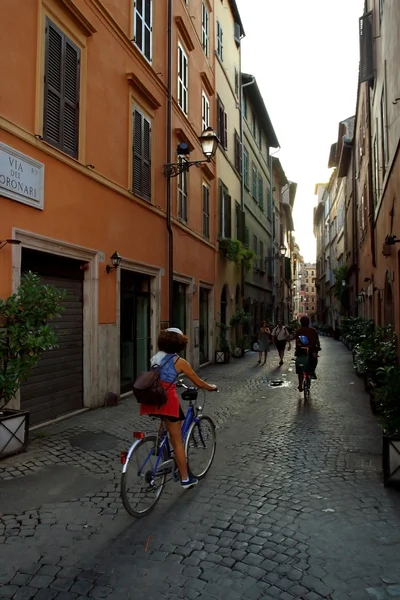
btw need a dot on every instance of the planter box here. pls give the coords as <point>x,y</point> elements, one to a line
<point>222,356</point>
<point>238,352</point>
<point>391,460</point>
<point>14,431</point>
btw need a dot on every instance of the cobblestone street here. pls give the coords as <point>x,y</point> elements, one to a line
<point>293,507</point>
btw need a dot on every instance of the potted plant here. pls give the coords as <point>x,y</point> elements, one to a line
<point>24,335</point>
<point>223,352</point>
<point>238,322</point>
<point>388,399</point>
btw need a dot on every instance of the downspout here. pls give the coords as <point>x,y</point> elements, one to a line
<point>371,196</point>
<point>242,85</point>
<point>355,235</point>
<point>271,201</point>
<point>169,160</point>
<point>370,181</point>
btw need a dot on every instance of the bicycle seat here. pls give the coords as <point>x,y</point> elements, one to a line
<point>190,394</point>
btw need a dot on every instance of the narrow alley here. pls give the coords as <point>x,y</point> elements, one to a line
<point>293,507</point>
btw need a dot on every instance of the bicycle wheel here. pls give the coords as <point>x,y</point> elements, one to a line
<point>306,388</point>
<point>141,488</point>
<point>200,446</point>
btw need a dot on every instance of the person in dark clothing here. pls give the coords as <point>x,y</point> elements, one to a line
<point>307,342</point>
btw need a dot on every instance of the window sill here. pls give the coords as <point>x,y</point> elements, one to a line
<point>144,198</point>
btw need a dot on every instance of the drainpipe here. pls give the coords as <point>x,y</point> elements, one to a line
<point>355,234</point>
<point>242,85</point>
<point>371,194</point>
<point>271,201</point>
<point>169,160</point>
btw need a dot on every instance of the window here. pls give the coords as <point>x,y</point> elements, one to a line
<point>244,99</point>
<point>259,138</point>
<point>205,29</point>
<point>225,212</point>
<point>142,33</point>
<point>236,83</point>
<point>238,153</point>
<point>261,263</point>
<point>183,196</point>
<point>254,173</point>
<point>206,211</point>
<point>183,79</point>
<point>255,244</point>
<point>61,91</point>
<point>376,172</point>
<point>269,204</point>
<point>384,148</point>
<point>253,124</point>
<point>205,111</point>
<point>246,237</point>
<point>246,168</point>
<point>261,192</point>
<point>219,42</point>
<point>141,152</point>
<point>222,124</point>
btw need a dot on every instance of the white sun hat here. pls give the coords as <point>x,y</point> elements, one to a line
<point>174,330</point>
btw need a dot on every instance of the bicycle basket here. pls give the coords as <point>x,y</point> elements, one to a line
<point>190,395</point>
<point>302,363</point>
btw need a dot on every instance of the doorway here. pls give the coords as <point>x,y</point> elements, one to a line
<point>180,318</point>
<point>204,325</point>
<point>135,336</point>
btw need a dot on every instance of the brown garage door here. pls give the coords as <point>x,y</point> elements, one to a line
<point>55,386</point>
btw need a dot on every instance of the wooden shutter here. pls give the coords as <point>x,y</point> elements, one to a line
<point>228,214</point>
<point>225,121</point>
<point>206,212</point>
<point>147,28</point>
<point>53,85</point>
<point>71,98</point>
<point>220,122</point>
<point>137,153</point>
<point>146,166</point>
<point>61,91</point>
<point>220,209</point>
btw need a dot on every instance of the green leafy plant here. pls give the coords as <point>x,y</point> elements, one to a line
<point>240,317</point>
<point>235,251</point>
<point>376,351</point>
<point>387,398</point>
<point>25,332</point>
<point>224,341</point>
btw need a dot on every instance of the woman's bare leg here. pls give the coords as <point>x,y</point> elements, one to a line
<point>265,357</point>
<point>175,435</point>
<point>259,357</point>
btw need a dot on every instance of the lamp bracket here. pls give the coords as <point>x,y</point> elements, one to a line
<point>175,169</point>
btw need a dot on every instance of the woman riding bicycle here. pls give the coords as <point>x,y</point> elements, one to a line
<point>307,343</point>
<point>170,342</point>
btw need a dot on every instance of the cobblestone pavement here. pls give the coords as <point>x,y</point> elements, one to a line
<point>293,506</point>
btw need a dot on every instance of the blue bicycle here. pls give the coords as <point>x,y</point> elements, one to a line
<point>150,459</point>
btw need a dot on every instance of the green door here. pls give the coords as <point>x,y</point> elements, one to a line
<point>203,323</point>
<point>135,345</point>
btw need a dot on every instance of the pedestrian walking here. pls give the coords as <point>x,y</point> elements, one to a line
<point>281,336</point>
<point>263,342</point>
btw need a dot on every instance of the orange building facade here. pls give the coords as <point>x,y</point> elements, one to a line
<point>83,142</point>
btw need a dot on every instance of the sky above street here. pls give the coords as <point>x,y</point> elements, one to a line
<point>304,55</point>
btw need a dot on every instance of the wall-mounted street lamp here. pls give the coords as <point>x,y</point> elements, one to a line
<point>9,241</point>
<point>115,261</point>
<point>391,240</point>
<point>282,252</point>
<point>209,143</point>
